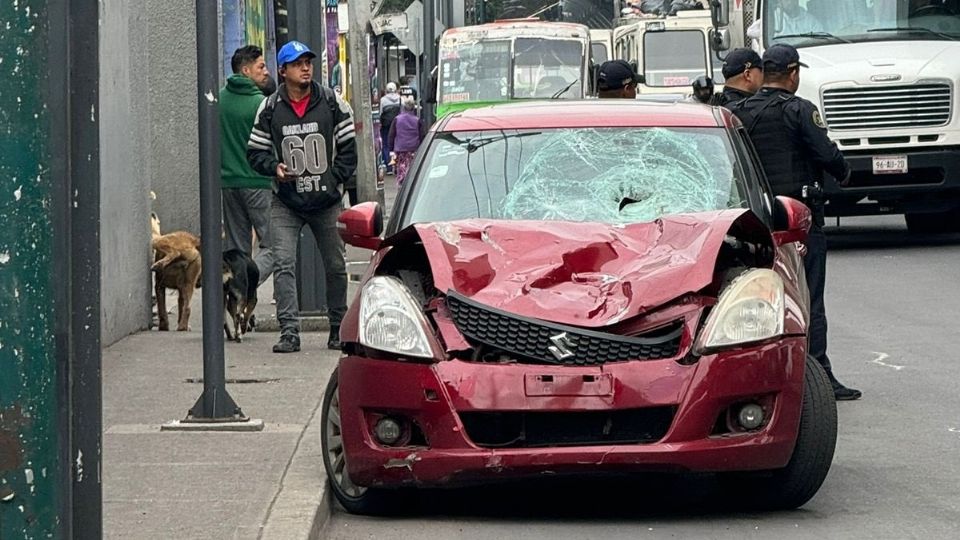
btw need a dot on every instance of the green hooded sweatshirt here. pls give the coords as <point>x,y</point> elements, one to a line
<point>239,101</point>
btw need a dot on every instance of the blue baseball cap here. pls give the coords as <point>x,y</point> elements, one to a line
<point>292,51</point>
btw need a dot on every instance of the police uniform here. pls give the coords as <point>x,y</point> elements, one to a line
<point>735,63</point>
<point>791,140</point>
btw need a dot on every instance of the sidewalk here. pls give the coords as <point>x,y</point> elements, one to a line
<point>211,485</point>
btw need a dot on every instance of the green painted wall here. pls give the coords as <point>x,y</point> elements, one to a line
<point>29,469</point>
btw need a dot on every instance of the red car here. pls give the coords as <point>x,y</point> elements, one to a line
<point>597,287</point>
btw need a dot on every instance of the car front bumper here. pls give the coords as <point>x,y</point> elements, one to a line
<point>436,397</point>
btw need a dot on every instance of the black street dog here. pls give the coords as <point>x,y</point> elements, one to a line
<point>240,279</point>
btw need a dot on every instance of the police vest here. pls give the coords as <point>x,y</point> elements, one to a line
<point>786,166</point>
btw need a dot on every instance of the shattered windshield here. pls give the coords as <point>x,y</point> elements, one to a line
<point>609,175</point>
<point>805,23</point>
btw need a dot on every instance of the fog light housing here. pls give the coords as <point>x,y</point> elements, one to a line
<point>750,416</point>
<point>387,430</point>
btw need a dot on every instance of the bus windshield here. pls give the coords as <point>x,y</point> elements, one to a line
<point>517,68</point>
<point>805,23</point>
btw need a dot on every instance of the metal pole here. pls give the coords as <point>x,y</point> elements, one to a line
<point>215,405</point>
<point>429,52</point>
<point>358,41</point>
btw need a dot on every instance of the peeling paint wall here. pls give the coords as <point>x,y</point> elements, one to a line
<point>29,497</point>
<point>148,141</point>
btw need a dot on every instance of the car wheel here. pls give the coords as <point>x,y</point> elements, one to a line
<point>795,484</point>
<point>933,222</point>
<point>355,499</point>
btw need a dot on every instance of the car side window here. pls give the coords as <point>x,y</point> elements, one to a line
<point>751,162</point>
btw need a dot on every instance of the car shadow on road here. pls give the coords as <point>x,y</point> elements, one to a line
<point>629,497</point>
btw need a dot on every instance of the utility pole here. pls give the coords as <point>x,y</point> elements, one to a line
<point>359,79</point>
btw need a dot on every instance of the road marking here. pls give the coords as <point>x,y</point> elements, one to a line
<point>879,360</point>
<point>953,430</point>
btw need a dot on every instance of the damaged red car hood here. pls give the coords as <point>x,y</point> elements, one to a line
<point>582,274</point>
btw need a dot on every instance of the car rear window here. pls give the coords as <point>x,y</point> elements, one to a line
<point>608,175</point>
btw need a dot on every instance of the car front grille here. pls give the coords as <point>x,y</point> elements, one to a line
<point>544,342</point>
<point>525,429</point>
<point>888,107</point>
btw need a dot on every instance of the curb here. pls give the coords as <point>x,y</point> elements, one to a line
<point>301,508</point>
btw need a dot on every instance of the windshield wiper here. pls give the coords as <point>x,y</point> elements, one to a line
<point>818,35</point>
<point>476,143</point>
<point>562,92</point>
<point>915,30</point>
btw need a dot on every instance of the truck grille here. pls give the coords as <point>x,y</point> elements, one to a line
<point>887,107</point>
<point>532,339</point>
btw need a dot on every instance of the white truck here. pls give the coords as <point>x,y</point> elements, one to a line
<point>670,51</point>
<point>884,74</point>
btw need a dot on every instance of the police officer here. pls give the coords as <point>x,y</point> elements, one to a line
<point>617,80</point>
<point>742,74</point>
<point>791,139</point>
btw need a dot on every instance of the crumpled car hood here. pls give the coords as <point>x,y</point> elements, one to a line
<point>582,274</point>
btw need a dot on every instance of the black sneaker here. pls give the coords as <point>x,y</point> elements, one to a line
<point>842,393</point>
<point>288,343</point>
<point>333,342</point>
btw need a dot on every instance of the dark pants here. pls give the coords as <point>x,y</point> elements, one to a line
<point>384,145</point>
<point>285,225</point>
<point>815,266</point>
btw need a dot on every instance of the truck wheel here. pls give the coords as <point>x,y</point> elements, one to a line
<point>934,222</point>
<point>795,484</point>
<point>355,499</point>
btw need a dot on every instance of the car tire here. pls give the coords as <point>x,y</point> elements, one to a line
<point>354,499</point>
<point>934,222</point>
<point>792,486</point>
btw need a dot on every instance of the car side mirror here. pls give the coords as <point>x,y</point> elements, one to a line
<point>792,220</point>
<point>720,13</point>
<point>361,225</point>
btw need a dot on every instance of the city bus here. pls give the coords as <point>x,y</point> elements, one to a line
<point>509,60</point>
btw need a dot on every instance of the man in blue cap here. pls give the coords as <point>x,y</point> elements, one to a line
<point>791,139</point>
<point>304,139</point>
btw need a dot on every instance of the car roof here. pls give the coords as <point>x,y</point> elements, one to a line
<point>586,113</point>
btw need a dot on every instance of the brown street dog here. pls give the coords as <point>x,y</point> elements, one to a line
<point>177,266</point>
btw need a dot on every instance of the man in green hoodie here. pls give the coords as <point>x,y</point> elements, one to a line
<point>246,193</point>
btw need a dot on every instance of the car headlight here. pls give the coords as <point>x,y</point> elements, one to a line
<point>751,309</point>
<point>391,319</point>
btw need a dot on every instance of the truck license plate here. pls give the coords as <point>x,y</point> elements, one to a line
<point>890,165</point>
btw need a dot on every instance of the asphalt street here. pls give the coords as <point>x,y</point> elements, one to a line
<point>893,303</point>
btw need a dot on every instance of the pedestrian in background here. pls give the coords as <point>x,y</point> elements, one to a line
<point>389,110</point>
<point>791,140</point>
<point>246,193</point>
<point>617,80</point>
<point>304,137</point>
<point>405,137</point>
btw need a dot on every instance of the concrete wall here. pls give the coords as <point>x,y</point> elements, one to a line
<point>148,141</point>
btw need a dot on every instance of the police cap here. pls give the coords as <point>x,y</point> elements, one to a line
<point>781,58</point>
<point>740,60</point>
<point>616,74</point>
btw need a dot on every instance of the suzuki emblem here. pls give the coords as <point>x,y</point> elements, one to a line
<point>561,346</point>
<point>887,77</point>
